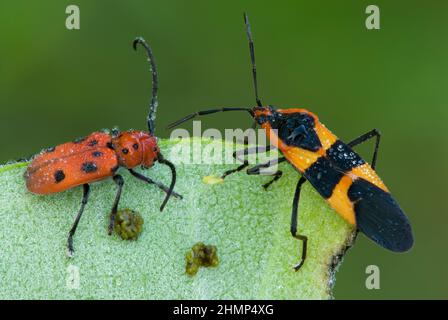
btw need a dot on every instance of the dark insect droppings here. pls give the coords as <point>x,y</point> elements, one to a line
<point>59,175</point>
<point>128,224</point>
<point>200,255</point>
<point>89,167</point>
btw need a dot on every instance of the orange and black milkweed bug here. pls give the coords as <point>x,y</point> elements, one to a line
<point>348,183</point>
<point>99,156</point>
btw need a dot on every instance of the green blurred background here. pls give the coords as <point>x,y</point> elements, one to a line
<point>58,84</point>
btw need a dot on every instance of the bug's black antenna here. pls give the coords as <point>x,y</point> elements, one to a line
<point>205,112</point>
<point>252,58</point>
<point>155,84</point>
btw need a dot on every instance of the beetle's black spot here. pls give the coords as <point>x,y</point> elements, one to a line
<point>110,145</point>
<point>93,143</point>
<point>344,157</point>
<point>97,154</point>
<point>125,150</point>
<point>135,146</point>
<point>50,149</point>
<point>79,140</point>
<point>323,176</point>
<point>89,167</point>
<point>59,175</point>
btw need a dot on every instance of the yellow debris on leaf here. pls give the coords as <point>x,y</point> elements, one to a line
<point>212,180</point>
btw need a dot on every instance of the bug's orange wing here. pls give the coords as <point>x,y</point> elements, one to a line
<point>71,164</point>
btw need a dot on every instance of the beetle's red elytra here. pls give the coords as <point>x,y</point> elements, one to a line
<point>99,156</point>
<point>93,158</point>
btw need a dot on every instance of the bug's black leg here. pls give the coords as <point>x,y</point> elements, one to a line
<point>252,150</point>
<point>85,198</point>
<point>244,152</point>
<point>295,209</point>
<point>365,137</point>
<point>150,181</point>
<point>277,175</point>
<point>119,181</point>
<point>239,168</point>
<point>246,139</point>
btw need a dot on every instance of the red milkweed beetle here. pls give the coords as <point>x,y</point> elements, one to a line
<point>99,156</point>
<point>349,184</point>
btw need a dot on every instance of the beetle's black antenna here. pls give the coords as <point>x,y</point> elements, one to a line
<point>252,58</point>
<point>155,84</point>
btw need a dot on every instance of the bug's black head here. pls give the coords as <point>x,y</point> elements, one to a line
<point>264,114</point>
<point>294,127</point>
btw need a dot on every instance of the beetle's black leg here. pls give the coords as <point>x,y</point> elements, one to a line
<point>365,137</point>
<point>150,181</point>
<point>277,175</point>
<point>119,181</point>
<point>85,198</point>
<point>244,152</point>
<point>295,208</point>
